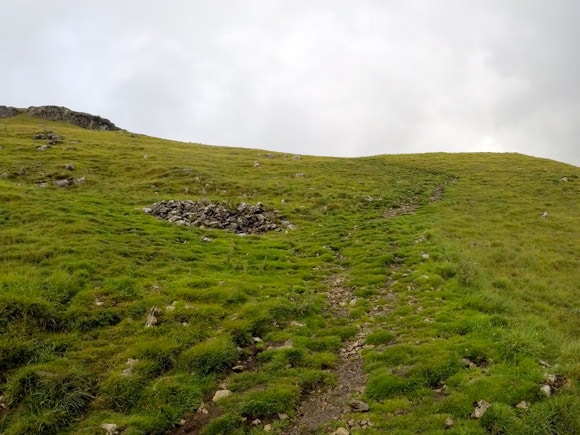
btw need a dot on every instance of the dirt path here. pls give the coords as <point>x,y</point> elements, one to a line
<point>323,407</point>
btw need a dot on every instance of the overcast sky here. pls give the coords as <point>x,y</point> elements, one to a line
<point>324,77</point>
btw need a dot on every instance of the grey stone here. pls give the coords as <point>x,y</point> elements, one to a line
<point>359,406</point>
<point>111,428</point>
<point>480,409</point>
<point>153,317</point>
<point>220,394</point>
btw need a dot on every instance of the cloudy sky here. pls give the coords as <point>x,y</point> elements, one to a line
<point>324,77</point>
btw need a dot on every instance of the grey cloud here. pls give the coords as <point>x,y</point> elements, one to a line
<point>331,78</point>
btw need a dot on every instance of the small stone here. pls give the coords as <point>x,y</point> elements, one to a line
<point>268,428</point>
<point>359,406</point>
<point>467,363</point>
<point>170,308</point>
<point>341,431</point>
<point>220,394</point>
<point>257,340</point>
<point>257,164</point>
<point>481,408</point>
<point>283,417</point>
<point>523,405</point>
<point>257,422</point>
<point>551,379</point>
<point>424,256</point>
<point>545,215</point>
<point>239,368</point>
<point>206,239</point>
<point>153,317</point>
<point>5,175</point>
<point>546,390</point>
<point>69,166</point>
<point>80,181</point>
<point>42,148</point>
<point>543,363</point>
<point>182,422</point>
<point>111,428</point>
<point>449,423</point>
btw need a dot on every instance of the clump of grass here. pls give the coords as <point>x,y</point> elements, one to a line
<point>274,399</point>
<point>53,394</point>
<point>211,356</point>
<point>380,337</point>
<point>385,385</point>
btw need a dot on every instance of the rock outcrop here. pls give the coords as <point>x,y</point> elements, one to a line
<point>244,219</point>
<point>84,120</point>
<point>8,112</point>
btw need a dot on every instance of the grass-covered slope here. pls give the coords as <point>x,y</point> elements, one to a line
<point>471,297</point>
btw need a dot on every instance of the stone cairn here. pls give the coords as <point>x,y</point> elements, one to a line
<point>245,219</point>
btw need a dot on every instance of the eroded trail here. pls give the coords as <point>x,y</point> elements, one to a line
<point>322,407</point>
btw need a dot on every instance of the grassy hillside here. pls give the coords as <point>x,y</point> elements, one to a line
<point>451,283</point>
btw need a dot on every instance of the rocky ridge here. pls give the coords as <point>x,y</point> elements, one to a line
<point>244,219</point>
<point>57,113</point>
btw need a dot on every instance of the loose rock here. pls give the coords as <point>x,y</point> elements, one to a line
<point>153,317</point>
<point>546,390</point>
<point>481,408</point>
<point>220,394</point>
<point>244,219</point>
<point>111,428</point>
<point>449,423</point>
<point>359,406</point>
<point>523,405</point>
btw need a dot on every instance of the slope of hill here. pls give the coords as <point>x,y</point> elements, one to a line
<point>411,293</point>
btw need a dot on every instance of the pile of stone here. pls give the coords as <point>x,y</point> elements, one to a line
<point>243,219</point>
<point>50,136</point>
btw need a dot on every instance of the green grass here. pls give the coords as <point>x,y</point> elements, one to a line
<point>479,275</point>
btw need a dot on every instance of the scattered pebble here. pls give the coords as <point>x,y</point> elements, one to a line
<point>449,423</point>
<point>546,390</point>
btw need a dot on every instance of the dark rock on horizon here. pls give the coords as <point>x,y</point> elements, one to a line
<point>8,112</point>
<point>81,119</point>
<point>57,113</point>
